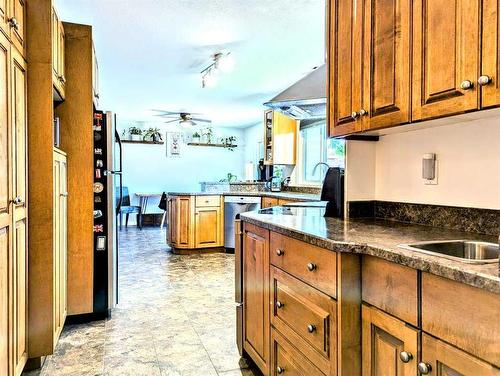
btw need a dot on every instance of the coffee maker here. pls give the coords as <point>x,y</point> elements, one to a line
<point>265,171</point>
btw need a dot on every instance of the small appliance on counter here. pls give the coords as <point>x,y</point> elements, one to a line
<point>265,171</point>
<point>275,184</point>
<point>333,192</point>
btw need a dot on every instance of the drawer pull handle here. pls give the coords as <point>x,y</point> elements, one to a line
<point>280,252</point>
<point>311,328</point>
<point>280,304</point>
<point>311,267</point>
<point>466,85</point>
<point>424,368</point>
<point>280,370</point>
<point>484,80</point>
<point>405,356</point>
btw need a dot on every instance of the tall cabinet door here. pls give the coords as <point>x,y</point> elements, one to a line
<point>208,227</point>
<point>386,343</point>
<point>4,18</point>
<point>344,66</point>
<point>19,274</point>
<point>5,200</point>
<point>490,70</point>
<point>386,63</point>
<point>446,54</point>
<point>18,24</point>
<point>256,332</point>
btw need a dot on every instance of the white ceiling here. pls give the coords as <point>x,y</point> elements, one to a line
<point>151,53</point>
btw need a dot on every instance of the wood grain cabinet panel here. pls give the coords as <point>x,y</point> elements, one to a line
<point>446,360</point>
<point>386,63</point>
<point>208,225</point>
<point>4,18</point>
<point>5,251</point>
<point>391,287</point>
<point>268,202</point>
<point>5,132</point>
<point>446,53</point>
<point>464,316</point>
<point>18,25</point>
<point>344,66</point>
<point>256,299</point>
<point>490,92</point>
<point>384,339</point>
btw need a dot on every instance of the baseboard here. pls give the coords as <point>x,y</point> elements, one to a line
<point>87,317</point>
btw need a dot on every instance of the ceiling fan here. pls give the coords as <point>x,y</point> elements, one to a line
<point>184,118</point>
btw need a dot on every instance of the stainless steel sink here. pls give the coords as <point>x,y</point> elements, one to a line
<point>467,251</point>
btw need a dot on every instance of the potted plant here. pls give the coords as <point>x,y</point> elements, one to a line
<point>135,133</point>
<point>153,134</point>
<point>207,134</point>
<point>196,138</point>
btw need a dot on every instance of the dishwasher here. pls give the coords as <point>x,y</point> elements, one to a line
<point>233,206</point>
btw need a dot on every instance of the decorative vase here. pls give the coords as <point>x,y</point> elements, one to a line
<point>196,140</point>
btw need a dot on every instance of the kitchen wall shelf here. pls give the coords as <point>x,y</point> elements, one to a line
<point>212,145</point>
<point>143,142</point>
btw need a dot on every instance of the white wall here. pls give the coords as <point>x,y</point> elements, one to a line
<point>254,145</point>
<point>468,155</point>
<point>148,169</point>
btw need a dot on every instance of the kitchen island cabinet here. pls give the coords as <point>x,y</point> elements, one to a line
<point>340,306</point>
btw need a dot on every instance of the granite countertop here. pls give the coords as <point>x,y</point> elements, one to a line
<point>380,238</point>
<point>284,194</point>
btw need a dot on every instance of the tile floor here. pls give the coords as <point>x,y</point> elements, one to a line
<point>176,316</point>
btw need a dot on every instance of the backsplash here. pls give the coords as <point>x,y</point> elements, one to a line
<point>219,187</point>
<point>484,221</point>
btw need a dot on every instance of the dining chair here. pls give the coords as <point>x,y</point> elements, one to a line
<point>128,209</point>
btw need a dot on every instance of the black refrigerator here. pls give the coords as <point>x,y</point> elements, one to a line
<point>107,200</point>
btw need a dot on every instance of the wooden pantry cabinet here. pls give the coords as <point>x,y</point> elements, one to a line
<point>392,63</point>
<point>13,210</point>
<point>195,222</point>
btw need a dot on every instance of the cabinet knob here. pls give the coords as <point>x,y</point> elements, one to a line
<point>466,85</point>
<point>18,200</point>
<point>311,328</point>
<point>355,115</point>
<point>484,80</point>
<point>311,267</point>
<point>280,304</point>
<point>405,356</point>
<point>424,368</point>
<point>363,112</point>
<point>280,370</point>
<point>65,194</point>
<point>13,23</point>
<point>280,252</point>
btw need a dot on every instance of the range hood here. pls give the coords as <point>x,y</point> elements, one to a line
<point>306,99</point>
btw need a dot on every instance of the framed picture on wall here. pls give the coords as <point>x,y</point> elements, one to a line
<point>174,142</point>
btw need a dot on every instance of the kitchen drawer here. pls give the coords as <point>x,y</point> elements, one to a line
<point>462,315</point>
<point>211,201</point>
<point>311,264</point>
<point>268,202</point>
<point>391,287</point>
<point>287,360</point>
<point>304,315</point>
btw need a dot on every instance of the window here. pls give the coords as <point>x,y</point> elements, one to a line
<point>315,147</point>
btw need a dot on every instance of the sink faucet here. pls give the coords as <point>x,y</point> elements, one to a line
<point>319,164</point>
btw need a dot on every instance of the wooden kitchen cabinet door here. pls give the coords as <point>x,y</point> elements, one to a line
<point>446,53</point>
<point>4,17</point>
<point>385,338</point>
<point>344,64</point>
<point>445,360</point>
<point>208,227</point>
<point>490,92</point>
<point>18,29</point>
<point>256,304</point>
<point>386,63</point>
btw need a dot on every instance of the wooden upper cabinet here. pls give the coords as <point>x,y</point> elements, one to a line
<point>280,135</point>
<point>17,23</point>
<point>344,66</point>
<point>58,57</point>
<point>386,343</point>
<point>446,55</point>
<point>386,63</point>
<point>445,360</point>
<point>256,299</point>
<point>4,19</point>
<point>490,68</point>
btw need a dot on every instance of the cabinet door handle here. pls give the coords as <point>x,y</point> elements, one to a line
<point>13,23</point>
<point>466,85</point>
<point>311,267</point>
<point>18,201</point>
<point>64,194</point>
<point>280,304</point>
<point>311,328</point>
<point>280,252</point>
<point>424,368</point>
<point>484,80</point>
<point>405,356</point>
<point>280,370</point>
<point>355,115</point>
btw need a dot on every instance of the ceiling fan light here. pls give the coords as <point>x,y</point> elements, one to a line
<point>187,123</point>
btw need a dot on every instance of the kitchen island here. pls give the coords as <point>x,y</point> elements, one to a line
<point>325,296</point>
<point>196,219</point>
